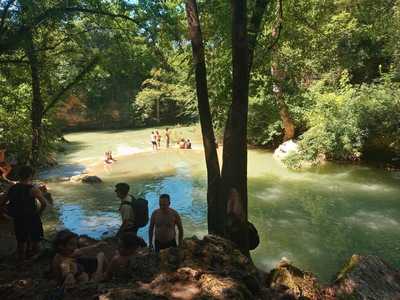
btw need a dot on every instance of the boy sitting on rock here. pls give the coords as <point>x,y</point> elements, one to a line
<point>127,248</point>
<point>70,265</point>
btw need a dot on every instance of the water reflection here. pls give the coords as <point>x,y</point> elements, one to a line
<point>75,218</point>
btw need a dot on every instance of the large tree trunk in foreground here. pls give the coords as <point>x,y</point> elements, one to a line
<point>215,222</point>
<point>37,101</point>
<point>234,169</point>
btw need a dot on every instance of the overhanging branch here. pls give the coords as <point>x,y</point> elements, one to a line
<point>276,33</point>
<point>88,68</point>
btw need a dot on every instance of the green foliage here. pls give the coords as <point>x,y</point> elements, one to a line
<point>351,122</point>
<point>331,56</point>
<point>175,100</point>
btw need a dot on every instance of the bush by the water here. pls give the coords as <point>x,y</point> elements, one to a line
<point>350,123</point>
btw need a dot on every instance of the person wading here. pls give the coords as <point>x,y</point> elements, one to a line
<point>167,137</point>
<point>163,222</point>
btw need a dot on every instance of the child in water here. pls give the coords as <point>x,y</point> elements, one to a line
<point>182,144</point>
<point>70,266</point>
<point>188,144</point>
<point>108,158</point>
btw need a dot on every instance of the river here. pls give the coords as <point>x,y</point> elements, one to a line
<point>315,218</point>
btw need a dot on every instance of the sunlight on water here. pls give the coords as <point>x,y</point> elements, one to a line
<point>315,218</point>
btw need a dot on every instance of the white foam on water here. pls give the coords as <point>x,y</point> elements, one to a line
<point>270,194</point>
<point>123,149</point>
<point>376,221</point>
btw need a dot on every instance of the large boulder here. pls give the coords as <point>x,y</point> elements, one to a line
<point>91,179</point>
<point>294,282</point>
<point>286,149</point>
<point>367,277</point>
<point>211,268</point>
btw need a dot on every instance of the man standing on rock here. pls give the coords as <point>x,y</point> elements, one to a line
<point>163,222</point>
<point>26,213</point>
<point>125,209</point>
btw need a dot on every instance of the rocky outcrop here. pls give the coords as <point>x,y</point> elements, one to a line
<point>91,179</point>
<point>285,149</point>
<point>294,282</point>
<point>367,277</point>
<point>210,268</point>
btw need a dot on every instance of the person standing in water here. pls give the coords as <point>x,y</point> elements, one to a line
<point>23,209</point>
<point>153,139</point>
<point>163,222</point>
<point>167,137</point>
<point>158,136</point>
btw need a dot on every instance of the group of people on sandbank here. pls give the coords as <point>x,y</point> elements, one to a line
<point>25,203</point>
<point>155,139</point>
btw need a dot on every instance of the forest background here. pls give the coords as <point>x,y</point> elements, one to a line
<point>326,73</point>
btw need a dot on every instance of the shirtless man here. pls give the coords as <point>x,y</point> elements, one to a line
<point>158,137</point>
<point>163,222</point>
<point>167,137</point>
<point>153,139</point>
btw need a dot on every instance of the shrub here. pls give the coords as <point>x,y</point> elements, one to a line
<point>351,122</point>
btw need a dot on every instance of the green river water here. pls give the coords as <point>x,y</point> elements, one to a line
<point>315,218</point>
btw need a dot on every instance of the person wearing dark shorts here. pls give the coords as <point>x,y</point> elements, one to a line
<point>163,222</point>
<point>153,139</point>
<point>24,210</point>
<point>164,245</point>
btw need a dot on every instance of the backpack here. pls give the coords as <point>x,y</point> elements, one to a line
<point>254,239</point>
<point>15,207</point>
<point>140,209</point>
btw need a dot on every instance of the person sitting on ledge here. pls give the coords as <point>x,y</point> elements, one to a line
<point>182,144</point>
<point>70,265</point>
<point>188,144</point>
<point>127,248</point>
<point>108,158</point>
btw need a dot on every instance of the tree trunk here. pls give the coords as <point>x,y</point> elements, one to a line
<point>158,110</point>
<point>234,169</point>
<point>278,76</point>
<point>288,125</point>
<point>37,101</point>
<point>254,27</point>
<point>214,218</point>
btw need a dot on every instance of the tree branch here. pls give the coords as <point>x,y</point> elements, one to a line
<point>4,14</point>
<point>13,61</point>
<point>54,12</point>
<point>276,33</point>
<point>88,68</point>
<point>254,27</point>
